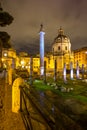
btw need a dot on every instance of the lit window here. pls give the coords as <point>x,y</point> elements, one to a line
<point>22,62</point>
<point>5,54</point>
<point>65,47</point>
<point>58,47</point>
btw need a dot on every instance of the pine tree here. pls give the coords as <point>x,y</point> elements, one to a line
<point>5,19</point>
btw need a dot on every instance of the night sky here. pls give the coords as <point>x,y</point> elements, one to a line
<point>29,14</point>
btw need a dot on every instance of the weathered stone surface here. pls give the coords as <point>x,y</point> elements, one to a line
<point>16,94</point>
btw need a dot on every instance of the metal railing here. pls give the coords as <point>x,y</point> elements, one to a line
<point>36,110</point>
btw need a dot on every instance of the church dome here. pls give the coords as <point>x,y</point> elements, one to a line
<point>61,43</point>
<point>61,37</point>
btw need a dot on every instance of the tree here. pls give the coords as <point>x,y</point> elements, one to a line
<point>5,40</point>
<point>5,18</point>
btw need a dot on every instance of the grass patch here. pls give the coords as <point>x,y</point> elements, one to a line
<point>81,98</point>
<point>41,86</point>
<point>78,93</point>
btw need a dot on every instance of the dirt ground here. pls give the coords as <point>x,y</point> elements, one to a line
<point>75,110</point>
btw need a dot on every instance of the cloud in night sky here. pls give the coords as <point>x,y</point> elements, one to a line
<point>29,14</point>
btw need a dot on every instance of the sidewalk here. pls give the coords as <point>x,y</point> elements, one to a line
<point>11,121</point>
<point>2,111</point>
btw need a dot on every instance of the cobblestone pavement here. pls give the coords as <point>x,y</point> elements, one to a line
<point>8,119</point>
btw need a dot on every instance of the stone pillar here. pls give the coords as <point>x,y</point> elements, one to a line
<point>64,72</point>
<point>10,76</point>
<point>55,70</point>
<point>45,72</point>
<point>41,51</point>
<point>71,70</point>
<point>82,71</point>
<point>77,70</point>
<point>31,71</point>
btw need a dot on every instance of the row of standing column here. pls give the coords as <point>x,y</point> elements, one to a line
<point>71,71</point>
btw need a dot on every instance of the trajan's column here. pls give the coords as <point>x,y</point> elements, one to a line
<point>41,50</point>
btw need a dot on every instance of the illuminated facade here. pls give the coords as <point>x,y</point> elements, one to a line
<point>8,58</point>
<point>80,55</point>
<point>61,50</point>
<point>61,44</point>
<point>24,63</point>
<point>36,65</point>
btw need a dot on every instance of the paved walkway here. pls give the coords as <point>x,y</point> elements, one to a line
<point>9,120</point>
<point>2,110</point>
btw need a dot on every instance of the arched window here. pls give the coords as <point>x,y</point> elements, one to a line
<point>65,47</point>
<point>58,47</point>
